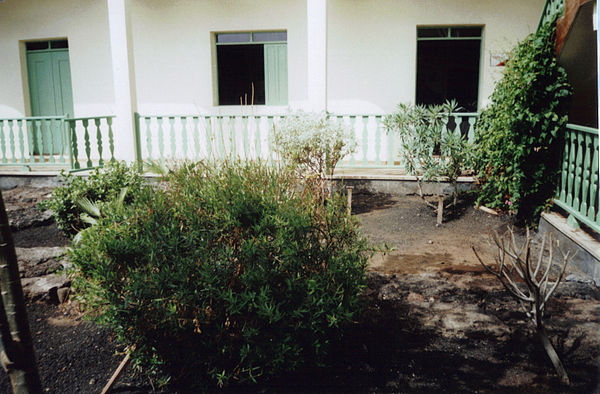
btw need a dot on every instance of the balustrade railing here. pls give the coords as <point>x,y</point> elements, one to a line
<point>34,141</point>
<point>195,137</point>
<point>91,141</point>
<point>551,8</point>
<point>578,192</point>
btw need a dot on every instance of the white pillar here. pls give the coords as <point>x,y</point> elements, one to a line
<point>316,27</point>
<point>123,80</point>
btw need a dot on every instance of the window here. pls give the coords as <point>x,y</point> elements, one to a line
<point>252,68</point>
<point>448,65</point>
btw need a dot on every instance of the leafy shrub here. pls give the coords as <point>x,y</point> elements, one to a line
<point>102,185</point>
<point>520,135</point>
<point>313,141</point>
<point>426,148</point>
<point>226,274</point>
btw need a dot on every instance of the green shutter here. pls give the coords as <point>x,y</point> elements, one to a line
<point>276,76</point>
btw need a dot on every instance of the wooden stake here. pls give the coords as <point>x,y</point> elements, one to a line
<point>115,375</point>
<point>440,209</point>
<point>349,195</point>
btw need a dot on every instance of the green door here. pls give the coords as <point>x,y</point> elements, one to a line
<point>51,95</point>
<point>276,74</point>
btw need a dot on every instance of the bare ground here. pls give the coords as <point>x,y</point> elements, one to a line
<point>435,322</point>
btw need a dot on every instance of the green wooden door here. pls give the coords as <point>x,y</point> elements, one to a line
<point>51,95</point>
<point>276,76</point>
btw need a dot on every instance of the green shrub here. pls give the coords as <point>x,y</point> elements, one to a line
<point>103,184</point>
<point>225,274</point>
<point>426,149</point>
<point>520,135</point>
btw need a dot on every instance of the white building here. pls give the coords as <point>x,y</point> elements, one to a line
<point>88,58</point>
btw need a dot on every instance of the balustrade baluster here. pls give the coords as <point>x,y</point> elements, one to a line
<point>578,171</point>
<point>51,124</point>
<point>572,159</point>
<point>21,141</point>
<point>233,136</point>
<point>172,135</point>
<point>30,126</point>
<point>11,136</point>
<point>111,140</point>
<point>86,138</point>
<point>365,139</point>
<point>61,129</point>
<point>587,162</point>
<point>270,126</point>
<point>245,142</point>
<point>209,137</point>
<point>196,138</point>
<point>147,120</point>
<point>99,141</point>
<point>352,125</point>
<point>471,132</point>
<point>39,137</point>
<point>257,137</point>
<point>184,136</point>
<point>377,140</point>
<point>74,145</point>
<point>161,142</point>
<point>593,213</point>
<point>2,141</point>
<point>564,176</point>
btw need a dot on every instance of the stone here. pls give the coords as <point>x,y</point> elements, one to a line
<point>44,287</point>
<point>40,261</point>
<point>63,294</point>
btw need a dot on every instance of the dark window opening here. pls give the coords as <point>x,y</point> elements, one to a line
<point>241,69</point>
<point>447,68</point>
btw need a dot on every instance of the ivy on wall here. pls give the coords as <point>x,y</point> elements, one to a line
<point>519,135</point>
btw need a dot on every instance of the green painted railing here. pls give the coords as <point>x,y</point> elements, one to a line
<point>551,8</point>
<point>578,192</point>
<point>34,141</point>
<point>91,141</point>
<point>195,137</point>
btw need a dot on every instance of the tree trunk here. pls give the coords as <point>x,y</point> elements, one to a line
<point>17,356</point>
<point>560,370</point>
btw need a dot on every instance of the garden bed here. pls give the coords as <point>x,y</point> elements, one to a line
<point>435,321</point>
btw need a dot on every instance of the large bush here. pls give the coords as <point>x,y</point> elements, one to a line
<point>520,134</point>
<point>225,274</point>
<point>102,184</point>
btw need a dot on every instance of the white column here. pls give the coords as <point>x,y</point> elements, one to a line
<point>123,79</point>
<point>316,27</point>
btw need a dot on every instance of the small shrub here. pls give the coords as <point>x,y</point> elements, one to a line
<point>426,148</point>
<point>102,185</point>
<point>519,136</point>
<point>315,142</point>
<point>225,274</point>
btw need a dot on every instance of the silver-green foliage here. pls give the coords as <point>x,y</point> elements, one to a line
<point>315,142</point>
<point>427,148</point>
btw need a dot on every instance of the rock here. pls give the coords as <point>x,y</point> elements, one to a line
<point>63,294</point>
<point>22,218</point>
<point>44,287</point>
<point>430,242</point>
<point>40,261</point>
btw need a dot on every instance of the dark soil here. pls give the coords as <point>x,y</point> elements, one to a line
<point>435,321</point>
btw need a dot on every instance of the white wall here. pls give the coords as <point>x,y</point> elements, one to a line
<point>173,49</point>
<point>372,45</point>
<point>371,48</point>
<point>84,24</point>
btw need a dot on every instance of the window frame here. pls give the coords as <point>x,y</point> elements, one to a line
<point>449,37</point>
<point>215,64</point>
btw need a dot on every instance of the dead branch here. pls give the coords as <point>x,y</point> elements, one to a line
<point>529,280</point>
